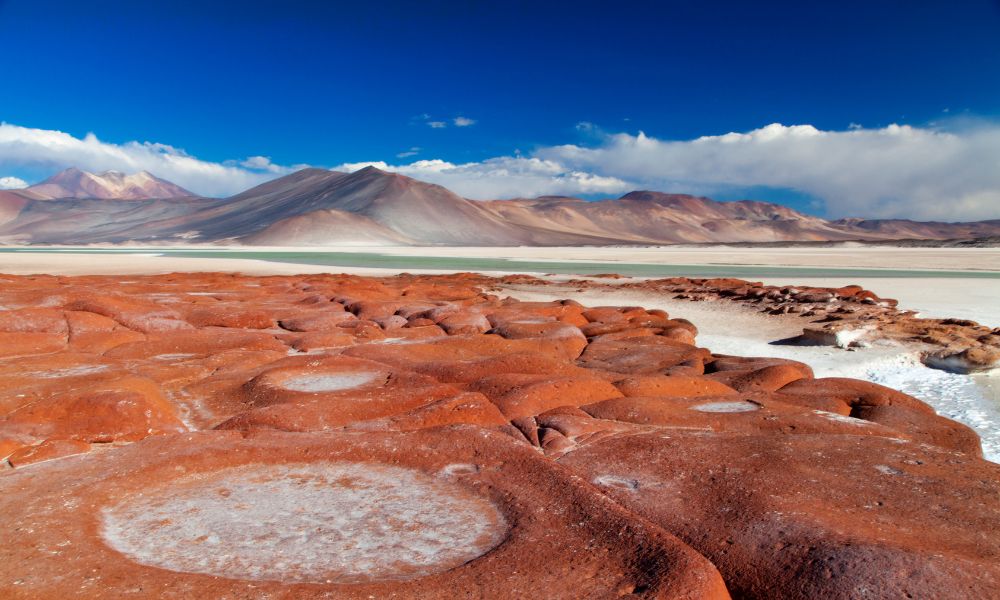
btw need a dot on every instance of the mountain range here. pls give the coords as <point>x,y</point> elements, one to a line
<point>373,207</point>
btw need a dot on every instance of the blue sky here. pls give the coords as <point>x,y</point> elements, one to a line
<point>329,84</point>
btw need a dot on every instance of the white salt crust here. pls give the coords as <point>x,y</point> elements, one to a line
<point>726,407</point>
<point>328,382</point>
<point>320,522</point>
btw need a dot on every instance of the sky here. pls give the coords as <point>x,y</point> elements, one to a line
<point>861,108</point>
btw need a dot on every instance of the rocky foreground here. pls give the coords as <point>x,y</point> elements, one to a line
<point>845,317</point>
<point>222,436</point>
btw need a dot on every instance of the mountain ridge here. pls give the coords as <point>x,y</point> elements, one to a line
<point>321,207</point>
<point>109,185</point>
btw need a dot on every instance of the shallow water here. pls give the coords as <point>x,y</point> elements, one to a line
<point>458,263</point>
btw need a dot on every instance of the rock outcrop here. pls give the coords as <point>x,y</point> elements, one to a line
<point>845,317</point>
<point>214,435</point>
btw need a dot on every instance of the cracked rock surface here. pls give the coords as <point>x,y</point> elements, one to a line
<point>332,436</point>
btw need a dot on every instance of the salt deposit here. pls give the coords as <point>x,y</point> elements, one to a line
<point>332,382</point>
<point>317,522</point>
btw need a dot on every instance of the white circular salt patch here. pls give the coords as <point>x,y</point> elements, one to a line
<point>328,382</point>
<point>726,407</point>
<point>298,523</point>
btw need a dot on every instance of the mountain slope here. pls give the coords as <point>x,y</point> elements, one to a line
<point>320,207</point>
<point>420,212</point>
<point>319,227</point>
<point>109,185</point>
<point>655,218</point>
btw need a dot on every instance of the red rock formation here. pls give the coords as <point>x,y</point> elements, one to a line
<point>210,435</point>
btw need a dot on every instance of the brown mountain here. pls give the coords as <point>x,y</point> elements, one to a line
<point>109,185</point>
<point>657,218</point>
<point>320,207</point>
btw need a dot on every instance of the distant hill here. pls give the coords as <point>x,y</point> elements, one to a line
<point>109,185</point>
<point>372,207</point>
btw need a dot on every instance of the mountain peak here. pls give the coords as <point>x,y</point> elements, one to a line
<point>108,185</point>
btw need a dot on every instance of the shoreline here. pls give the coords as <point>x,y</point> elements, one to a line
<point>970,260</point>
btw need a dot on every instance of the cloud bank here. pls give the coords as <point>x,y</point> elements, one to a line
<point>12,183</point>
<point>895,171</point>
<point>26,147</point>
<point>503,177</point>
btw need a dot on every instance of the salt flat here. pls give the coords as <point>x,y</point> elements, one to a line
<point>973,297</point>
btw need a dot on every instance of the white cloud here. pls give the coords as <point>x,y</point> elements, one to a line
<point>503,177</point>
<point>43,148</point>
<point>895,171</point>
<point>411,152</point>
<point>264,164</point>
<point>437,124</point>
<point>12,183</point>
<point>463,121</point>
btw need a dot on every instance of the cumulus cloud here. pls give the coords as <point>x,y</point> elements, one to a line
<point>463,121</point>
<point>43,148</point>
<point>895,171</point>
<point>262,164</point>
<point>12,183</point>
<point>503,177</point>
<point>437,124</point>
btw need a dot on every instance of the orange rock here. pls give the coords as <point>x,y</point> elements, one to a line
<point>795,487</point>
<point>641,355</point>
<point>128,409</point>
<point>327,320</point>
<point>33,320</point>
<point>467,371</point>
<point>464,408</point>
<point>133,313</point>
<point>230,316</point>
<point>196,342</point>
<point>756,374</point>
<point>518,395</point>
<point>674,385</point>
<point>879,404</point>
<point>307,342</point>
<point>817,516</point>
<point>464,323</point>
<point>22,344</point>
<point>47,450</point>
<point>443,513</point>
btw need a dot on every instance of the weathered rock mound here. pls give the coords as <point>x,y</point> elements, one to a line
<point>211,435</point>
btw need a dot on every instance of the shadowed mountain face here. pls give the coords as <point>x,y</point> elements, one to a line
<point>372,207</point>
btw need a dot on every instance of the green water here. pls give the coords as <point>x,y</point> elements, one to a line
<point>458,263</point>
